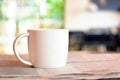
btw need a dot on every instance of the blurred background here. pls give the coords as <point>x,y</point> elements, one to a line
<point>94,25</point>
<point>16,16</point>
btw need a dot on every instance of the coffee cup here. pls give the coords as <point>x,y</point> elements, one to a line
<point>47,48</point>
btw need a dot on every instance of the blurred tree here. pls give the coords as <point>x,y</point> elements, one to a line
<point>55,9</point>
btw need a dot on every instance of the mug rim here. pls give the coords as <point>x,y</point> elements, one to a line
<point>47,29</point>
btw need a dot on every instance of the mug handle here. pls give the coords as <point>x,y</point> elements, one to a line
<point>17,39</point>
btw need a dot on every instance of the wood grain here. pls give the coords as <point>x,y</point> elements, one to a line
<point>80,65</point>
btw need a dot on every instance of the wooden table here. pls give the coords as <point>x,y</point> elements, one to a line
<point>80,65</point>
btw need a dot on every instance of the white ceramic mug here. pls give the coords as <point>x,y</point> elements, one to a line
<point>47,48</point>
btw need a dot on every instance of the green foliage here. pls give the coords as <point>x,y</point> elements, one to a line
<point>55,9</point>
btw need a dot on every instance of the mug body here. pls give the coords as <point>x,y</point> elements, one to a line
<point>48,48</point>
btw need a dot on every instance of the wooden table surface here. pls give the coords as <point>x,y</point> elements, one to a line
<point>80,65</point>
